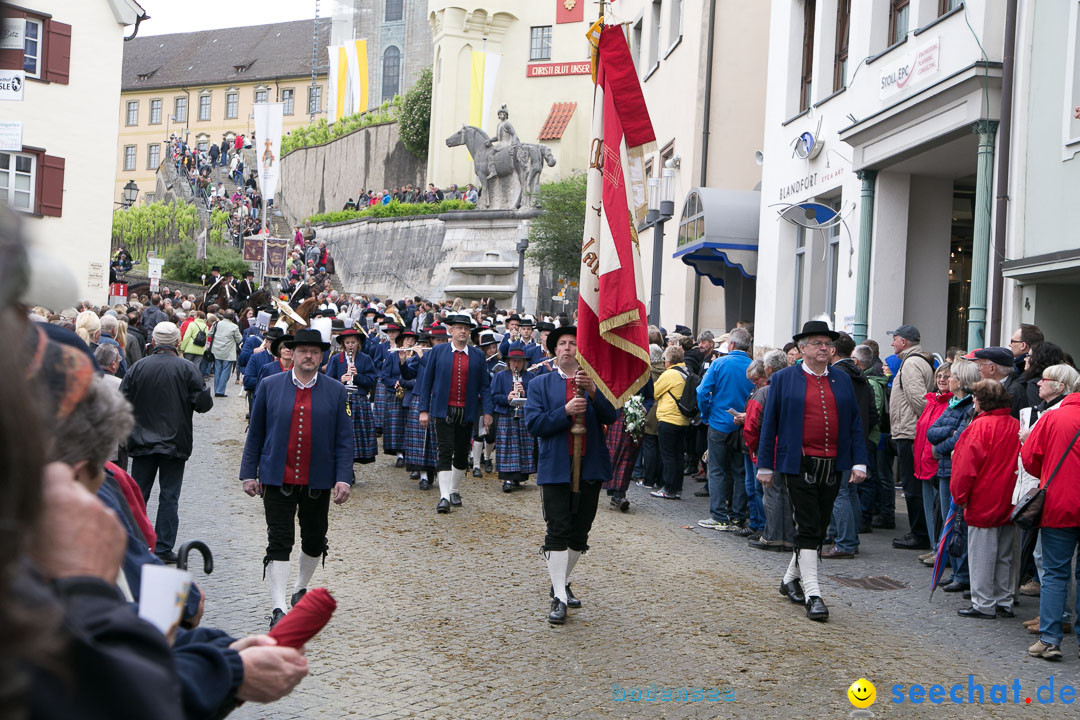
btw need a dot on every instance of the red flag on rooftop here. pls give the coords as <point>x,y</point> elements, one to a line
<point>612,335</point>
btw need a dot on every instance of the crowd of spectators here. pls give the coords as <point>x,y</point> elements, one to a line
<point>409,194</point>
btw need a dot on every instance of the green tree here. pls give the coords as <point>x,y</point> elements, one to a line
<point>415,118</point>
<point>156,226</point>
<point>555,235</point>
<point>182,265</point>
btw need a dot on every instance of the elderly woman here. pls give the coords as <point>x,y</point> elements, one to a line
<point>983,475</point>
<point>1056,594</point>
<point>779,530</point>
<point>942,436</point>
<point>926,465</point>
<point>671,423</point>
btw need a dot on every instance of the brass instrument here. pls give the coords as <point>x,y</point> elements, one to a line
<point>349,386</point>
<point>520,390</point>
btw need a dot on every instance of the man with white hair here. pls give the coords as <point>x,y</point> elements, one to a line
<point>164,389</point>
<point>109,327</point>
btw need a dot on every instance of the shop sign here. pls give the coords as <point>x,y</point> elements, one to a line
<point>557,69</point>
<point>910,70</point>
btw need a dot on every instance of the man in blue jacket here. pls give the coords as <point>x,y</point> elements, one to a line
<point>810,434</point>
<point>299,453</point>
<point>455,385</point>
<point>724,388</point>
<point>550,409</point>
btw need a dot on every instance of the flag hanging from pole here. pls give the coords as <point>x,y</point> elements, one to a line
<point>612,334</point>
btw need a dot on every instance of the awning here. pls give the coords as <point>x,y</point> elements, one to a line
<point>718,233</point>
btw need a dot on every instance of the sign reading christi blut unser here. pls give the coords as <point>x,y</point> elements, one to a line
<point>557,69</point>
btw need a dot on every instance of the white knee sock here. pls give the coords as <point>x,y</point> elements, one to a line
<point>401,456</point>
<point>307,569</point>
<point>792,572</point>
<point>277,572</point>
<point>557,561</point>
<point>456,477</point>
<point>423,474</point>
<point>477,451</point>
<point>490,448</point>
<point>445,483</point>
<point>808,565</point>
<point>571,561</point>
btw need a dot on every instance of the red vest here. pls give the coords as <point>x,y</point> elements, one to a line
<point>459,379</point>
<point>820,421</point>
<point>298,455</point>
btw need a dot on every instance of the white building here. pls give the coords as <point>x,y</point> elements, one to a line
<point>885,112</point>
<point>58,156</point>
<point>702,65</point>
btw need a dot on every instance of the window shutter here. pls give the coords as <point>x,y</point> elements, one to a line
<point>12,59</point>
<point>51,189</point>
<point>58,49</point>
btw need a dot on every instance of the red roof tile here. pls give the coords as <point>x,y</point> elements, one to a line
<point>557,120</point>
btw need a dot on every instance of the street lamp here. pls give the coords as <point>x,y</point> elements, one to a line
<point>661,197</point>
<point>131,192</point>
<point>522,246</point>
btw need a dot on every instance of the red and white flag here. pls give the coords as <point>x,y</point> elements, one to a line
<point>612,330</point>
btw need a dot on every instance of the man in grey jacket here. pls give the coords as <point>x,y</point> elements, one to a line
<point>914,378</point>
<point>226,340</point>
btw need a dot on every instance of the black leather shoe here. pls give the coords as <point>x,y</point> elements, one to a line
<point>276,616</point>
<point>971,612</point>
<point>910,542</point>
<point>399,463</point>
<point>443,506</point>
<point>414,475</point>
<point>489,466</point>
<point>477,472</point>
<point>455,499</point>
<point>296,596</point>
<point>571,601</point>
<point>168,557</point>
<point>955,586</point>
<point>425,484</point>
<point>624,505</point>
<point>816,610</point>
<point>701,493</point>
<point>1005,612</point>
<point>758,545</point>
<point>508,486</point>
<point>793,591</point>
<point>557,615</point>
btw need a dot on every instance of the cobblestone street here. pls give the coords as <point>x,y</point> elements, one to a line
<point>444,616</point>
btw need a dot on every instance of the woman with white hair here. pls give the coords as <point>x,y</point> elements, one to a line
<point>88,328</point>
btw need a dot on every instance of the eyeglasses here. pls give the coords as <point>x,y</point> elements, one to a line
<point>1049,380</point>
<point>1016,342</point>
<point>818,343</point>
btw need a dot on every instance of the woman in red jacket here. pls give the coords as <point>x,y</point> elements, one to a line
<point>926,465</point>
<point>983,476</point>
<point>1051,439</point>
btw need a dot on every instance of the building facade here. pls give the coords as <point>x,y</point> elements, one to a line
<point>203,86</point>
<point>54,170</point>
<point>880,139</point>
<point>398,42</point>
<point>707,111</point>
<point>531,57</point>
<point>1041,267</point>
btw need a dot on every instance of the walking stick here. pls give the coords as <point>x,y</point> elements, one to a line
<point>577,432</point>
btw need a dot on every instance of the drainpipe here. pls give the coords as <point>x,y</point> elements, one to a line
<point>980,246</point>
<point>705,140</point>
<point>866,229</point>
<point>1001,206</point>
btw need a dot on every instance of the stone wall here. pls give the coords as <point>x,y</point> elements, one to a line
<point>468,254</point>
<point>322,178</point>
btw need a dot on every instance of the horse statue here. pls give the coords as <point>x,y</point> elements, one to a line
<point>494,167</point>
<point>531,158</point>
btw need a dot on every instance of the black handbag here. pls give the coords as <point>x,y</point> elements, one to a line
<point>1028,511</point>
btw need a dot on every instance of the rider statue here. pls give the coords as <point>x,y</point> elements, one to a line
<point>505,137</point>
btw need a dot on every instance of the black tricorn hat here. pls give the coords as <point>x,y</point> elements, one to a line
<point>815,327</point>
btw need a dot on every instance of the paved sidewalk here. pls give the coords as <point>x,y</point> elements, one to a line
<point>444,616</point>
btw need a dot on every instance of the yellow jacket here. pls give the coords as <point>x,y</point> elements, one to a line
<point>667,389</point>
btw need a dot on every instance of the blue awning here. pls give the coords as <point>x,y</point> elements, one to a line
<point>718,233</point>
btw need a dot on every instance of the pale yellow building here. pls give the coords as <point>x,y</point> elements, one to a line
<point>530,56</point>
<point>203,86</point>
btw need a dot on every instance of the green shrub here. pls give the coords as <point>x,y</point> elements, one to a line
<point>394,209</point>
<point>323,132</point>
<point>555,235</point>
<point>415,117</point>
<point>181,265</point>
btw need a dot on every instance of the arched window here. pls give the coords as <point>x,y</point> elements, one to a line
<point>393,11</point>
<point>391,72</point>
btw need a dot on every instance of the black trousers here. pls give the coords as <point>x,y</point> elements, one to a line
<point>169,472</point>
<point>811,505</point>
<point>282,504</point>
<point>454,438</point>
<point>568,530</point>
<point>672,439</point>
<point>905,457</point>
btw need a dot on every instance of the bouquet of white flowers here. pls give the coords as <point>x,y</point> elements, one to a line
<point>634,417</point>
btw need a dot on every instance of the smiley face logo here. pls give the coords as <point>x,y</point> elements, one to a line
<point>862,693</point>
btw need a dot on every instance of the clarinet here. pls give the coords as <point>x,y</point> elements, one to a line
<point>521,393</point>
<point>350,369</point>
